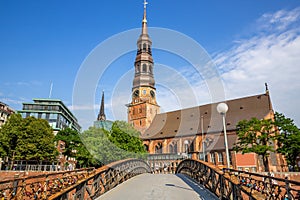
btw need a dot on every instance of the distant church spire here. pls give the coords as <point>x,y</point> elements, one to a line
<point>101,115</point>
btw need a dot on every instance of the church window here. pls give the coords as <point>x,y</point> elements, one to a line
<point>220,157</point>
<point>158,148</point>
<point>140,110</point>
<point>146,147</point>
<point>171,148</point>
<point>140,122</point>
<point>144,68</point>
<point>175,148</point>
<point>150,68</point>
<point>144,92</point>
<point>212,158</point>
<point>144,46</point>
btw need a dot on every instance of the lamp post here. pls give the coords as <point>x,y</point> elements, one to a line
<point>203,148</point>
<point>222,108</point>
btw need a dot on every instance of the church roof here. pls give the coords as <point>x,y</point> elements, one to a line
<point>188,122</point>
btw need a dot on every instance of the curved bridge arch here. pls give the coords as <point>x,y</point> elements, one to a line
<point>76,184</point>
<point>104,179</point>
<point>238,185</point>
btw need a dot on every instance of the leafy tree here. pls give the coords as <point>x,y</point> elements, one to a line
<point>288,139</point>
<point>256,136</point>
<point>27,139</point>
<point>97,142</point>
<point>119,143</point>
<point>124,136</point>
<point>8,135</point>
<point>75,148</point>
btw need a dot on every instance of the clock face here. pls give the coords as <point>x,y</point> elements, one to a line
<point>152,93</point>
<point>136,93</point>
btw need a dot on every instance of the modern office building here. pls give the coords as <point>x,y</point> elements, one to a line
<point>5,112</point>
<point>52,110</point>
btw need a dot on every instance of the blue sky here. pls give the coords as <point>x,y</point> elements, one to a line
<point>251,42</point>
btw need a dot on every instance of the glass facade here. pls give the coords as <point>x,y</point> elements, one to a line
<point>54,111</point>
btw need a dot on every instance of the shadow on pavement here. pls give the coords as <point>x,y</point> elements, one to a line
<point>199,189</point>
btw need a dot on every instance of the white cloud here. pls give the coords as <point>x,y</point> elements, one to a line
<point>82,107</point>
<point>11,102</point>
<point>279,20</point>
<point>271,56</point>
<point>24,83</point>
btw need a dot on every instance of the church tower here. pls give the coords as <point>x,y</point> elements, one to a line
<point>143,106</point>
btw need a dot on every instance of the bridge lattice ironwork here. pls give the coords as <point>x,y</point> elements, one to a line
<point>238,185</point>
<point>77,184</point>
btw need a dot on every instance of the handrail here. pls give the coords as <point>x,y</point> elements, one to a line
<point>103,179</point>
<point>236,185</point>
<point>269,186</point>
<point>75,184</point>
<point>38,186</point>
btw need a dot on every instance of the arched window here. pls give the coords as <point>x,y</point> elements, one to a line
<point>150,69</point>
<point>175,147</point>
<point>158,148</point>
<point>137,69</point>
<point>212,158</point>
<point>144,68</point>
<point>191,147</point>
<point>146,147</point>
<point>171,149</point>
<point>220,158</point>
<point>144,46</point>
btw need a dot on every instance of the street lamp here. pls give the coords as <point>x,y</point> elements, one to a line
<point>222,108</point>
<point>203,148</point>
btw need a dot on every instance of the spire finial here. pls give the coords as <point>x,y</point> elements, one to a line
<point>267,89</point>
<point>145,4</point>
<point>145,11</point>
<point>144,26</point>
<point>101,115</point>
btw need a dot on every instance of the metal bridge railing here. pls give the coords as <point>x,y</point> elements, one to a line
<point>41,186</point>
<point>270,187</point>
<point>103,179</point>
<point>77,184</point>
<point>237,185</point>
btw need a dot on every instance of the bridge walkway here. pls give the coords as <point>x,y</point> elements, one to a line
<point>158,187</point>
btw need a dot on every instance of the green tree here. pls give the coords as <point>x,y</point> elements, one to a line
<point>28,139</point>
<point>121,142</point>
<point>75,148</point>
<point>9,135</point>
<point>288,139</point>
<point>256,136</point>
<point>124,136</point>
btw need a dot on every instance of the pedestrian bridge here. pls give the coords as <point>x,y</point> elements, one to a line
<point>133,179</point>
<point>159,187</point>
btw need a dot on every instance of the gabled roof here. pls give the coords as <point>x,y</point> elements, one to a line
<point>187,122</point>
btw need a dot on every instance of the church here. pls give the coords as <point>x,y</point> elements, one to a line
<point>195,132</point>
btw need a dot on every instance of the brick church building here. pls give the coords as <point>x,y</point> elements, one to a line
<point>195,132</point>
